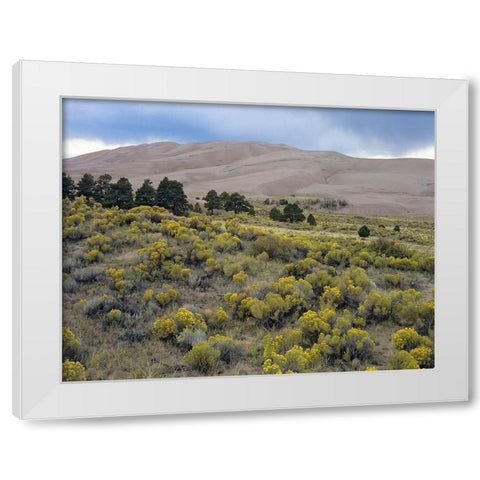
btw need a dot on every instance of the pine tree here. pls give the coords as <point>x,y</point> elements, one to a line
<point>224,198</point>
<point>293,213</point>
<point>120,194</point>
<point>102,188</point>
<point>86,186</point>
<point>311,220</point>
<point>68,186</point>
<point>146,194</point>
<point>238,203</point>
<point>276,215</point>
<point>212,201</point>
<point>170,195</point>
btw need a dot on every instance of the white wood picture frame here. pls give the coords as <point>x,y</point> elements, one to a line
<point>38,392</point>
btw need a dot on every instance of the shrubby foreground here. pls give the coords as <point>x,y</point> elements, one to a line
<point>148,293</point>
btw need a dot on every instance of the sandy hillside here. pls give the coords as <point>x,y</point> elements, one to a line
<point>371,186</point>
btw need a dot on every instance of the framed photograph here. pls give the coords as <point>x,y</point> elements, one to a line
<point>202,240</point>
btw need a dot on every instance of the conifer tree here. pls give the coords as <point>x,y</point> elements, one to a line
<point>146,194</point>
<point>170,195</point>
<point>293,213</point>
<point>120,194</point>
<point>86,186</point>
<point>102,188</point>
<point>68,186</point>
<point>212,201</point>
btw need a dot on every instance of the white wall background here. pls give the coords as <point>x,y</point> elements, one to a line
<point>408,38</point>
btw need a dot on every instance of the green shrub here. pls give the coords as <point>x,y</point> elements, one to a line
<point>390,248</point>
<point>134,335</point>
<point>229,351</point>
<point>69,285</point>
<point>402,360</point>
<point>364,231</point>
<point>88,275</point>
<point>357,343</point>
<point>425,317</point>
<point>202,357</point>
<point>100,305</point>
<point>377,307</point>
<point>393,280</point>
<point>336,257</point>
<point>189,337</point>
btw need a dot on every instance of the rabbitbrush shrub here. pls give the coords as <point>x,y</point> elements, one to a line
<point>202,357</point>
<point>73,371</point>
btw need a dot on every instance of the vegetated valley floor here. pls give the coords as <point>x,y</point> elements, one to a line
<point>147,294</point>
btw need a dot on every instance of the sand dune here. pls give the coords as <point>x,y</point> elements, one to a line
<point>371,186</point>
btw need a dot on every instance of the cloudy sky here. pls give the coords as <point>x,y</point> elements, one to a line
<point>91,125</point>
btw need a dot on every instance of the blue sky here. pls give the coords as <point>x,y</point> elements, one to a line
<point>91,125</point>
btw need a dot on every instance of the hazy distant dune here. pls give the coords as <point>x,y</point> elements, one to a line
<point>371,186</point>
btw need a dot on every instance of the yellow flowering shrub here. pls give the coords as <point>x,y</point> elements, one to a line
<point>99,242</point>
<point>70,343</point>
<point>292,336</point>
<point>218,318</point>
<point>93,256</point>
<point>423,355</point>
<point>165,298</point>
<point>225,242</point>
<point>406,339</point>
<point>332,296</point>
<point>402,360</point>
<point>240,277</point>
<point>115,274</point>
<point>425,317</point>
<point>271,368</point>
<point>214,339</point>
<point>313,323</point>
<point>263,257</point>
<point>168,327</point>
<point>297,359</point>
<point>345,321</point>
<point>376,307</point>
<point>151,259</point>
<point>73,371</point>
<point>163,328</point>
<point>428,264</point>
<point>148,295</point>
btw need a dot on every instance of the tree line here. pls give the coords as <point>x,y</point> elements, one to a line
<point>230,202</point>
<point>292,212</point>
<point>169,194</point>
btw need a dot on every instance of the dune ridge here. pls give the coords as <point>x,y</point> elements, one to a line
<point>400,186</point>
